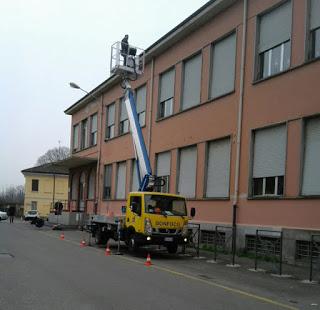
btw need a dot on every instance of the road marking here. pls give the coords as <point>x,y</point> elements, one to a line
<point>188,276</point>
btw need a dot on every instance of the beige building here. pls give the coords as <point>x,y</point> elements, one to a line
<point>44,186</point>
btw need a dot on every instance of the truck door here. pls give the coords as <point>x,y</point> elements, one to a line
<point>134,216</point>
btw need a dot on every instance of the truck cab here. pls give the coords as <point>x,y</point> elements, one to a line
<point>155,218</point>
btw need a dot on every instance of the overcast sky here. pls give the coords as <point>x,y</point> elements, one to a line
<point>45,44</point>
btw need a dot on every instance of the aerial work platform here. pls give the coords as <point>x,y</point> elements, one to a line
<point>126,59</point>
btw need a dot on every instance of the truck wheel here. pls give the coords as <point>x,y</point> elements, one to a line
<point>100,238</point>
<point>132,246</point>
<point>172,248</point>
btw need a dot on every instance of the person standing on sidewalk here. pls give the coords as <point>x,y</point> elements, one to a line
<point>11,213</point>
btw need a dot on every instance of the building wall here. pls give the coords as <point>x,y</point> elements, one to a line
<point>46,193</point>
<point>289,98</point>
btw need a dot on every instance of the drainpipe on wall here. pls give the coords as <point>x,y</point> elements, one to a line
<point>239,127</point>
<point>150,108</point>
<point>53,190</point>
<point>101,140</point>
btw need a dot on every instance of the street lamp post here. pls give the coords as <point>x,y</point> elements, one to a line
<point>76,86</point>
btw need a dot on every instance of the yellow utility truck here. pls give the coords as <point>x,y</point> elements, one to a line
<point>149,217</point>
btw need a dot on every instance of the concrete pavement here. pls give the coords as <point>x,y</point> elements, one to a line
<point>39,271</point>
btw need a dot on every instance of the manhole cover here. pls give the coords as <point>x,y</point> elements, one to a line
<point>6,255</point>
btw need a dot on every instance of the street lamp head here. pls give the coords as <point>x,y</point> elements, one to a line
<point>74,85</point>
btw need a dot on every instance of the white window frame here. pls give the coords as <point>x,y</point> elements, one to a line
<point>276,186</point>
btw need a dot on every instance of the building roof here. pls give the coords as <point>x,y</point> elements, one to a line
<point>190,24</point>
<point>51,168</point>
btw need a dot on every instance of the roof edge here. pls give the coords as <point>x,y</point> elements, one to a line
<point>191,23</point>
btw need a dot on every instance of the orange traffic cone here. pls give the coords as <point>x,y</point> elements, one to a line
<point>148,262</point>
<point>107,252</point>
<point>82,243</point>
<point>62,236</point>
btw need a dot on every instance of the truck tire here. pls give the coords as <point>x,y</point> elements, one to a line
<point>100,237</point>
<point>172,248</point>
<point>132,246</point>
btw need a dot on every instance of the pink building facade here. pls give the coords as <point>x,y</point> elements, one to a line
<point>229,104</point>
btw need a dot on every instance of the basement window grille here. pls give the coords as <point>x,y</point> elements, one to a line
<point>303,249</point>
<point>207,238</point>
<point>266,245</point>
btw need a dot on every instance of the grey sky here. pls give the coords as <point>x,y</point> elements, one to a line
<point>44,45</point>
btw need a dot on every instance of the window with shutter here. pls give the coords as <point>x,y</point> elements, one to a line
<point>269,159</point>
<point>141,99</point>
<point>311,167</point>
<point>107,181</point>
<point>135,182</point>
<point>163,171</point>
<point>92,184</point>
<point>187,171</point>
<point>274,40</point>
<point>94,130</point>
<point>166,93</point>
<point>191,82</point>
<point>124,121</point>
<point>223,66</point>
<point>314,28</point>
<point>84,134</point>
<point>121,181</point>
<point>75,138</point>
<point>218,168</point>
<point>110,121</point>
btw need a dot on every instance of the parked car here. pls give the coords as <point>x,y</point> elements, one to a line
<point>31,215</point>
<point>3,215</point>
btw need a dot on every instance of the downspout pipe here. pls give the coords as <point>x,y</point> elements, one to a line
<point>239,131</point>
<point>97,189</point>
<point>150,107</point>
<point>240,111</point>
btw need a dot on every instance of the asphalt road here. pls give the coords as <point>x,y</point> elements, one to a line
<point>40,271</point>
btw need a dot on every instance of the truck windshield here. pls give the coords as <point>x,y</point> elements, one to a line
<point>166,205</point>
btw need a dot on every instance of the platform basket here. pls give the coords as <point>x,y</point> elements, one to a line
<point>129,62</point>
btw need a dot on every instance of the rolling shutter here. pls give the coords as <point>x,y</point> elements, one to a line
<point>94,123</point>
<point>123,110</point>
<point>141,99</point>
<point>163,164</point>
<point>111,110</point>
<point>121,181</point>
<point>311,168</point>
<point>91,185</point>
<point>191,82</point>
<point>223,69</point>
<point>269,152</point>
<point>314,14</point>
<point>275,27</point>
<point>135,179</point>
<point>187,172</point>
<point>218,168</point>
<point>167,85</point>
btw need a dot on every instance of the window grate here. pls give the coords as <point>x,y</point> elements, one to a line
<point>266,245</point>
<point>303,249</point>
<point>208,236</point>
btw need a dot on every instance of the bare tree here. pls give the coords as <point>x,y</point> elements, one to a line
<point>12,194</point>
<point>53,155</point>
